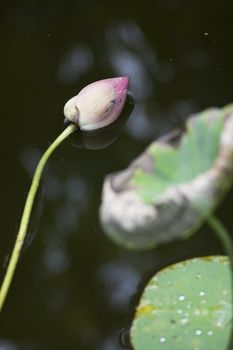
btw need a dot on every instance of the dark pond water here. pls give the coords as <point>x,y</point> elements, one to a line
<point>75,289</point>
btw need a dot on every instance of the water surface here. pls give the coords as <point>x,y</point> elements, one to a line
<point>74,288</point>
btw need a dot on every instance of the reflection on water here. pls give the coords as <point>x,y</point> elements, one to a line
<point>55,257</point>
<point>74,288</point>
<point>7,345</point>
<point>120,280</point>
<point>129,54</point>
<point>140,127</point>
<point>77,62</point>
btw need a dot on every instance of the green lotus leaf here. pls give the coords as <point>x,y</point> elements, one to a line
<point>173,186</point>
<point>175,166</point>
<point>187,305</point>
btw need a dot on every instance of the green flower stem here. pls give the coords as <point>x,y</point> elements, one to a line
<point>225,238</point>
<point>27,212</point>
<point>223,235</point>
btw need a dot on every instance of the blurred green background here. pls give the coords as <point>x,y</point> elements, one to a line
<point>74,288</point>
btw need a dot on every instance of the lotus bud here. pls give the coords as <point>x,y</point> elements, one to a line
<point>98,104</point>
